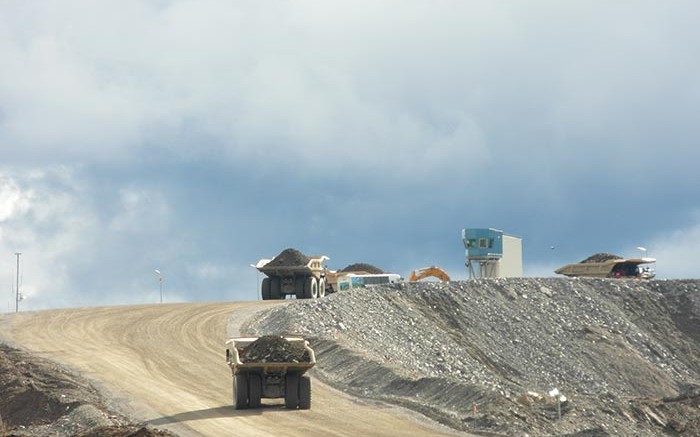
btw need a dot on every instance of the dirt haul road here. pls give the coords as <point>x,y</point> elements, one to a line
<point>165,365</point>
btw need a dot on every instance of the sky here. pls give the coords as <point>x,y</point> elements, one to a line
<point>197,137</point>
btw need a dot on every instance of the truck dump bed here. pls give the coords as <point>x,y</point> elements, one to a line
<point>272,268</point>
<point>235,347</point>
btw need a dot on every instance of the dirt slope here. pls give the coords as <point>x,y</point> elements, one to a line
<point>165,366</point>
<point>482,355</point>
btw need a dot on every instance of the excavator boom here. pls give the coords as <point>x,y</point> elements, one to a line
<point>425,272</point>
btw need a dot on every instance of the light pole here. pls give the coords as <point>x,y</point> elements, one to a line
<point>17,290</point>
<point>160,283</point>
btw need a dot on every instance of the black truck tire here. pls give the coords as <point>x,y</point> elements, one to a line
<point>255,390</point>
<point>265,289</point>
<point>304,392</point>
<point>291,392</point>
<point>276,288</point>
<point>299,287</point>
<point>240,391</point>
<point>311,288</point>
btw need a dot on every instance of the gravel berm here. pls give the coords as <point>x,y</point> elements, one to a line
<point>483,355</point>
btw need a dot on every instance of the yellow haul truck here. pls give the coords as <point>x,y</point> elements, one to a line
<point>270,367</point>
<point>293,273</point>
<point>604,265</point>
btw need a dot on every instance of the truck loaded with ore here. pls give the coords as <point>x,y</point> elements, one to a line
<point>270,367</point>
<point>291,273</point>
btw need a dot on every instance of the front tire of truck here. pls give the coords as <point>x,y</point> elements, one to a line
<point>304,392</point>
<point>322,287</point>
<point>255,393</point>
<point>240,391</point>
<point>265,289</point>
<point>291,393</point>
<point>311,288</point>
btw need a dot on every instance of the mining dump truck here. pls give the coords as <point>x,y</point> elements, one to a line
<point>270,367</point>
<point>604,265</point>
<point>293,273</point>
<point>334,278</point>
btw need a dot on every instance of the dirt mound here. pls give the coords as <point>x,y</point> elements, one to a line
<point>363,267</point>
<point>482,355</point>
<point>275,349</point>
<point>600,257</point>
<point>125,431</point>
<point>289,258</point>
<point>41,398</point>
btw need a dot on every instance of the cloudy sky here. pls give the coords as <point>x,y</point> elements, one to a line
<point>197,137</point>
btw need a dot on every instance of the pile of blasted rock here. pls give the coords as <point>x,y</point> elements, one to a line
<point>275,349</point>
<point>600,258</point>
<point>363,267</point>
<point>289,258</point>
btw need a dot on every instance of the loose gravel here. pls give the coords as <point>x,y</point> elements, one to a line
<point>483,355</point>
<point>40,398</point>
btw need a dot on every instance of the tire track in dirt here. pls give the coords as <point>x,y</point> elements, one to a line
<point>166,363</point>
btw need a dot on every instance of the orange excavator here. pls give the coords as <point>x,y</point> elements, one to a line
<point>425,272</point>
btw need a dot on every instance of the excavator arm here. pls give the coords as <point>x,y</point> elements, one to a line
<point>425,272</point>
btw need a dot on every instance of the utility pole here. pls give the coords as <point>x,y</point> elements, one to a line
<point>17,290</point>
<point>160,283</point>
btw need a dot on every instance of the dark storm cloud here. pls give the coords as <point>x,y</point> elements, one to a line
<point>196,138</point>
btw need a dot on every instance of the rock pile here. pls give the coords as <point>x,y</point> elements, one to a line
<point>363,267</point>
<point>600,257</point>
<point>471,354</point>
<point>40,398</point>
<point>275,349</point>
<point>289,258</point>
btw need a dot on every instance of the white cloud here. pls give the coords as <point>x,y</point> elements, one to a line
<point>52,227</point>
<point>677,252</point>
<point>478,109</point>
<point>332,83</point>
<point>140,211</point>
<point>12,200</point>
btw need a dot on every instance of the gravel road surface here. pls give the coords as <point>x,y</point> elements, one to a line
<point>164,365</point>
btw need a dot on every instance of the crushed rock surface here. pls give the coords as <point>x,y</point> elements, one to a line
<point>41,398</point>
<point>483,355</point>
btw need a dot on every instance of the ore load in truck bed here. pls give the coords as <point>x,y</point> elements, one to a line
<point>289,258</point>
<point>600,257</point>
<point>274,349</point>
<point>363,267</point>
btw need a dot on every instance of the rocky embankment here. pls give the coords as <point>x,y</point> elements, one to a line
<point>483,355</point>
<point>40,398</point>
